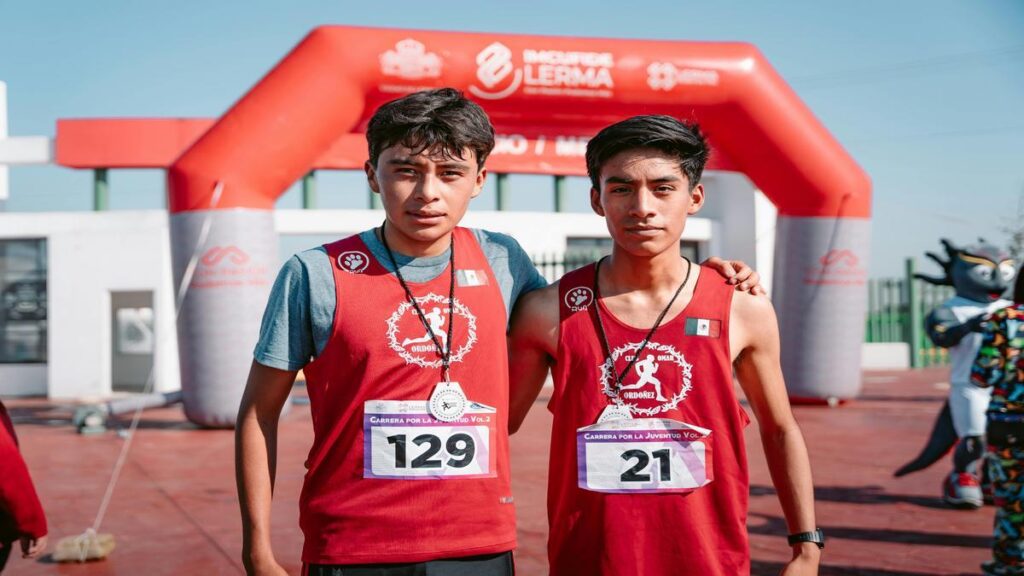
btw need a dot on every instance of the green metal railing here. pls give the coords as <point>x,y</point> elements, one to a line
<point>888,311</point>
<point>897,308</point>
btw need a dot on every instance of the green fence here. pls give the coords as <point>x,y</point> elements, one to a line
<point>896,306</point>
<point>896,311</point>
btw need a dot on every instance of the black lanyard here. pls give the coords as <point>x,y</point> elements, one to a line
<point>445,355</point>
<point>650,333</point>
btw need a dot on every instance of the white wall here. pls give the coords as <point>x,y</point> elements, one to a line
<point>22,379</point>
<point>885,356</point>
<point>90,255</point>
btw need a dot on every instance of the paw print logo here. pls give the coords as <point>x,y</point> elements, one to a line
<point>353,262</point>
<point>579,298</point>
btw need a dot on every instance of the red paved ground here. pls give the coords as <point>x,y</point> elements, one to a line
<point>174,511</point>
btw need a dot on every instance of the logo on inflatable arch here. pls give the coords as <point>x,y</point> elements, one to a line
<point>665,76</point>
<point>650,386</point>
<point>494,65</point>
<point>838,267</point>
<point>410,338</point>
<point>411,61</point>
<point>222,266</point>
<point>544,72</point>
<point>218,254</point>
<point>353,261</point>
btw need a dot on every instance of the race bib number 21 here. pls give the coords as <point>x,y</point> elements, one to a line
<point>643,455</point>
<point>402,440</point>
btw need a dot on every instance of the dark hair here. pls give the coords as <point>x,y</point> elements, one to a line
<point>443,120</point>
<point>663,133</point>
<point>1018,286</point>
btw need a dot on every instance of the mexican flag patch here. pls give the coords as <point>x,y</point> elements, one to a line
<point>470,277</point>
<point>703,327</point>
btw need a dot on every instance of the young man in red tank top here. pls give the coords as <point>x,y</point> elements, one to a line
<point>648,471</point>
<point>408,472</point>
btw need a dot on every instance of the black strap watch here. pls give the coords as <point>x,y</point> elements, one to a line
<point>817,537</point>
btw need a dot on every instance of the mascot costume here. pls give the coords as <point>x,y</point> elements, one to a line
<point>980,274</point>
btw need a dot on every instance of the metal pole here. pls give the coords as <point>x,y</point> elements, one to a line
<point>915,316</point>
<point>100,190</point>
<point>309,190</point>
<point>871,335</point>
<point>501,191</point>
<point>560,193</point>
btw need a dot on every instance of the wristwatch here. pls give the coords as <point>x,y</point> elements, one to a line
<point>817,537</point>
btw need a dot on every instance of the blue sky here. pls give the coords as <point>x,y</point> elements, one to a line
<point>927,96</point>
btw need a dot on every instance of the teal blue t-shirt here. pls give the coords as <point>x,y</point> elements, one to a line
<point>299,317</point>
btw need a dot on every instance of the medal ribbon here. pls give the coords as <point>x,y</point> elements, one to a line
<point>442,352</point>
<point>650,333</point>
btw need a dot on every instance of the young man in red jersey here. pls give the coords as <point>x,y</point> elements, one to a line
<point>400,331</point>
<point>648,468</point>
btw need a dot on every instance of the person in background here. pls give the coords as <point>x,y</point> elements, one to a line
<point>1000,366</point>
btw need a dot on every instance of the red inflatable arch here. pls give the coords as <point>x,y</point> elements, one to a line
<point>546,90</point>
<point>330,84</point>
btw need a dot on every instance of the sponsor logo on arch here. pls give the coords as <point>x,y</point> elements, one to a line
<point>837,267</point>
<point>502,72</point>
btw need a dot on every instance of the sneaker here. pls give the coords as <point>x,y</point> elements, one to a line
<point>962,490</point>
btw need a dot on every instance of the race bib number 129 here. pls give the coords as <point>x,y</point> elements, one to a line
<point>402,440</point>
<point>643,455</point>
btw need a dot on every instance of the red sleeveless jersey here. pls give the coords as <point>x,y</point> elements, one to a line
<point>701,532</point>
<point>380,350</point>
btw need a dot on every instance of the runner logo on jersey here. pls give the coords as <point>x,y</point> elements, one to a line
<point>412,341</point>
<point>657,382</point>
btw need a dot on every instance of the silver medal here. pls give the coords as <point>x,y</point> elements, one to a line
<point>448,402</point>
<point>614,412</point>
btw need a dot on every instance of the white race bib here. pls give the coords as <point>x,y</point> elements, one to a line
<point>402,440</point>
<point>643,455</point>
